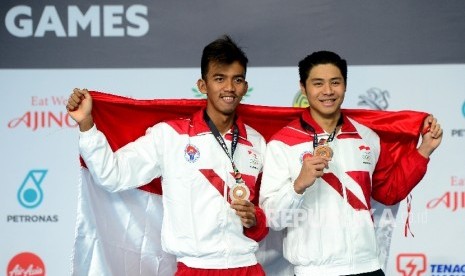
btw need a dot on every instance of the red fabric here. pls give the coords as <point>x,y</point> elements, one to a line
<point>123,120</point>
<point>398,186</point>
<point>254,270</point>
<point>260,230</point>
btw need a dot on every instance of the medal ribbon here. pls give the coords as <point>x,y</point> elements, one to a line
<point>309,128</point>
<point>219,138</point>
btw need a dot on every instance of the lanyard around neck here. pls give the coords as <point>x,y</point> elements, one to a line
<point>309,128</point>
<point>221,141</point>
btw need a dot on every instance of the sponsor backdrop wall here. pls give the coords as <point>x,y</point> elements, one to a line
<point>402,55</point>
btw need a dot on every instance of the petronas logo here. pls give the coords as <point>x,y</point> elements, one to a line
<point>200,95</point>
<point>300,100</point>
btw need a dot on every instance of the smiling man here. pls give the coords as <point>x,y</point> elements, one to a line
<point>209,222</point>
<point>323,168</point>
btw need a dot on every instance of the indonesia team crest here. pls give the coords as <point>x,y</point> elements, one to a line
<point>191,153</point>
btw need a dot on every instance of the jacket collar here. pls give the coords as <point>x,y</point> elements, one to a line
<point>347,125</point>
<point>201,127</point>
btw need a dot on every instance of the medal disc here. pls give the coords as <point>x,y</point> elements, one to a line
<point>324,151</point>
<point>239,191</point>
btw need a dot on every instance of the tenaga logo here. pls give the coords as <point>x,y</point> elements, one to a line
<point>97,20</point>
<point>25,264</point>
<point>447,269</point>
<point>411,264</point>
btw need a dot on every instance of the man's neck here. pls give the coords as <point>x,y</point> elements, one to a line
<point>328,124</point>
<point>222,122</point>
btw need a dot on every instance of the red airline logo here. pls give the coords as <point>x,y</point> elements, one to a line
<point>25,264</point>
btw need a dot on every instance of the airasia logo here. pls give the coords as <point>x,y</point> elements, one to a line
<point>25,264</point>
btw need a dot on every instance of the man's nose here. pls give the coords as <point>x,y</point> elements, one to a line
<point>230,86</point>
<point>327,89</point>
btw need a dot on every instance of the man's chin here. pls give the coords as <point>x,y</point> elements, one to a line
<point>228,111</point>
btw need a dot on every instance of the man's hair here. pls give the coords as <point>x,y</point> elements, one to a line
<point>321,57</point>
<point>224,51</point>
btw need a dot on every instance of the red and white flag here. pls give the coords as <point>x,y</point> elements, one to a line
<point>119,233</point>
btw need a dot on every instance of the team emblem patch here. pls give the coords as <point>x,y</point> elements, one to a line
<point>254,161</point>
<point>304,155</point>
<point>191,153</point>
<point>366,154</point>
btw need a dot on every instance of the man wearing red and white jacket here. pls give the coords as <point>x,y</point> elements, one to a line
<point>201,159</point>
<point>322,169</point>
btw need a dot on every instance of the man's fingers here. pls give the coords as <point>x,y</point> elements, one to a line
<point>76,98</point>
<point>245,214</point>
<point>244,209</point>
<point>241,203</point>
<point>247,223</point>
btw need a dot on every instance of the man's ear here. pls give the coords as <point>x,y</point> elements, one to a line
<point>302,90</point>
<point>202,86</point>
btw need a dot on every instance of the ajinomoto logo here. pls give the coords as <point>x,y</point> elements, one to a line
<point>452,199</point>
<point>300,100</point>
<point>43,115</point>
<point>411,264</point>
<point>26,264</point>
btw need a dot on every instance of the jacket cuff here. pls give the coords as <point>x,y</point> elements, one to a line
<point>260,230</point>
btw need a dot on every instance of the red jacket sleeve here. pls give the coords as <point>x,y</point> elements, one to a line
<point>392,182</point>
<point>260,230</point>
<point>400,166</point>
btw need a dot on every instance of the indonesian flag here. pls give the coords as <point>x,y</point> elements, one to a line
<point>119,233</point>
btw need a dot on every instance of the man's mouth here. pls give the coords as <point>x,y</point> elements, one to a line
<point>328,101</point>
<point>228,99</point>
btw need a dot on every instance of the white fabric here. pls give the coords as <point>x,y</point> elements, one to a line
<point>118,233</point>
<point>270,255</point>
<point>384,218</point>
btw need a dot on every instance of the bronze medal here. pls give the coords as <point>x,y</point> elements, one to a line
<point>324,151</point>
<point>321,146</point>
<point>239,191</point>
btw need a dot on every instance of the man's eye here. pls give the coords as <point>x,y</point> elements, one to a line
<point>218,79</point>
<point>239,80</point>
